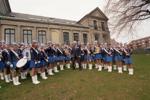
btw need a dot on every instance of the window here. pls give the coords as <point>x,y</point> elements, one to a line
<point>85,38</point>
<point>103,26</point>
<point>76,36</point>
<point>42,36</point>
<point>95,24</point>
<point>27,36</point>
<point>9,35</point>
<point>96,37</point>
<point>66,37</point>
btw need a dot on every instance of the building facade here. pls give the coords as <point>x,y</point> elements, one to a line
<point>18,27</point>
<point>141,43</point>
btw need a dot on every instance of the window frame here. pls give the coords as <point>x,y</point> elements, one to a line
<point>76,35</point>
<point>85,40</point>
<point>27,35</point>
<point>95,24</point>
<point>66,41</point>
<point>9,34</point>
<point>43,35</point>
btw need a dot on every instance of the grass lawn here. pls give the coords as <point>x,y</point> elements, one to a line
<point>86,85</point>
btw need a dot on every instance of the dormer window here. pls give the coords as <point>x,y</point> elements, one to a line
<point>95,24</point>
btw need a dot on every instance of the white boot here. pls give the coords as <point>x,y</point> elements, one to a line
<point>23,76</point>
<point>124,68</point>
<point>50,72</point>
<point>131,71</point>
<point>109,68</point>
<point>77,65</point>
<point>55,69</point>
<point>115,67</point>
<point>17,80</point>
<point>43,75</point>
<point>99,68</point>
<point>85,66</point>
<point>2,76</point>
<point>14,81</point>
<point>61,67</point>
<point>6,79</point>
<point>90,66</point>
<point>9,78</point>
<point>120,70</point>
<point>96,66</point>
<point>68,66</point>
<point>34,80</point>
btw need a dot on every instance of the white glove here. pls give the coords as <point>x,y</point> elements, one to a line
<point>39,61</point>
<point>35,62</point>
<point>46,60</point>
<point>11,65</point>
<point>8,63</point>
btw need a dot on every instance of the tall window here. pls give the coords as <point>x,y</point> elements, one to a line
<point>85,38</point>
<point>27,36</point>
<point>96,37</point>
<point>9,35</point>
<point>66,37</point>
<point>76,36</point>
<point>95,24</point>
<point>103,26</point>
<point>42,36</point>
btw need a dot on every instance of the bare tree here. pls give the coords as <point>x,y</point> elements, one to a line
<point>125,15</point>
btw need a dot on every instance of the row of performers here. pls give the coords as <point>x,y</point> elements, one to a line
<point>52,58</point>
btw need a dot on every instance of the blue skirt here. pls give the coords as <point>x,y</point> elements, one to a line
<point>89,57</point>
<point>50,59</point>
<point>41,64</point>
<point>118,58</point>
<point>128,60</point>
<point>108,58</point>
<point>60,58</point>
<point>97,56</point>
<point>2,65</point>
<point>67,58</point>
<point>32,64</point>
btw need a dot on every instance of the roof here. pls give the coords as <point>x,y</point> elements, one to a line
<point>96,9</point>
<point>41,19</point>
<point>5,7</point>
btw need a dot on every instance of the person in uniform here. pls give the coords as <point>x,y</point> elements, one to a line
<point>90,56</point>
<point>118,57</point>
<point>7,63</point>
<point>60,57</point>
<point>67,53</point>
<point>108,57</point>
<point>43,61</point>
<point>50,53</point>
<point>1,62</point>
<point>34,62</point>
<point>26,68</point>
<point>55,58</point>
<point>98,57</point>
<point>14,58</point>
<point>127,59</point>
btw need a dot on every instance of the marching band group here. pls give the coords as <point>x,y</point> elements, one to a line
<point>50,58</point>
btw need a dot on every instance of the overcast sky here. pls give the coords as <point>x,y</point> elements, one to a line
<point>72,10</point>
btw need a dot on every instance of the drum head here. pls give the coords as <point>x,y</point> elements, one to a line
<point>21,62</point>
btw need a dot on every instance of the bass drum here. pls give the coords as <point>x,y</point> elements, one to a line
<point>21,62</point>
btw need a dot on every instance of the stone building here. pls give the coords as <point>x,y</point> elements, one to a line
<point>141,43</point>
<point>19,27</point>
